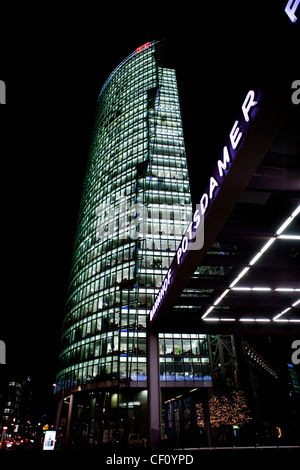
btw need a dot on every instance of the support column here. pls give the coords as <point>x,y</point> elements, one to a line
<point>206,417</point>
<point>193,421</point>
<point>181,422</point>
<point>69,422</point>
<point>58,412</point>
<point>154,400</point>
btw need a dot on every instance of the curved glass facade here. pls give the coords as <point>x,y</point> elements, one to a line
<point>134,210</point>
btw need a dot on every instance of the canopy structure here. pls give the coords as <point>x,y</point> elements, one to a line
<point>245,277</point>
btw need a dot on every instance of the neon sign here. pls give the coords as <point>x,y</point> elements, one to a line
<point>165,285</point>
<point>291,8</point>
<point>223,166</point>
<point>195,229</point>
<point>143,47</point>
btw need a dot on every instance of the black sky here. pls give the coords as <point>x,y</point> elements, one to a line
<point>54,63</point>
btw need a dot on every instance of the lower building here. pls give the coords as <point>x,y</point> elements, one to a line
<point>17,411</point>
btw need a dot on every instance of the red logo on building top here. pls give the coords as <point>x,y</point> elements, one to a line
<point>143,47</point>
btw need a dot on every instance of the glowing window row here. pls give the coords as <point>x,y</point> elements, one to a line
<point>135,369</point>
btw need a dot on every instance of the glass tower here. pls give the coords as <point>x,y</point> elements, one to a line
<point>135,207</point>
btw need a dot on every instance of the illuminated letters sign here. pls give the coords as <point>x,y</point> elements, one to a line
<point>165,285</point>
<point>291,8</point>
<point>143,47</point>
<point>195,227</point>
<point>215,181</point>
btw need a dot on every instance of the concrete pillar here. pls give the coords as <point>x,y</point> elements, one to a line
<point>154,400</point>
<point>193,421</point>
<point>206,417</point>
<point>174,435</point>
<point>181,420</point>
<point>58,412</point>
<point>69,422</point>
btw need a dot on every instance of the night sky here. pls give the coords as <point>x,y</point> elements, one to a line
<point>54,63</point>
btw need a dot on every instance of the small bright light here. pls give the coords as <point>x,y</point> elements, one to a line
<point>261,288</point>
<point>296,211</point>
<point>256,258</point>
<point>242,274</point>
<point>282,313</point>
<point>267,245</point>
<point>286,289</point>
<point>284,225</point>
<point>221,297</point>
<point>289,237</point>
<point>288,221</point>
<point>207,312</point>
<point>251,288</point>
<point>241,288</point>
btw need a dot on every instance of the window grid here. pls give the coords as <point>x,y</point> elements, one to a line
<point>114,280</point>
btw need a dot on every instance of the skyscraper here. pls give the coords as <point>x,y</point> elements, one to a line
<point>134,210</point>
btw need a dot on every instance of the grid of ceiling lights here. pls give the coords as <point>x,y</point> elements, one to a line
<point>278,317</point>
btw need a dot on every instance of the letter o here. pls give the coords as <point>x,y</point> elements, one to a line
<point>184,244</point>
